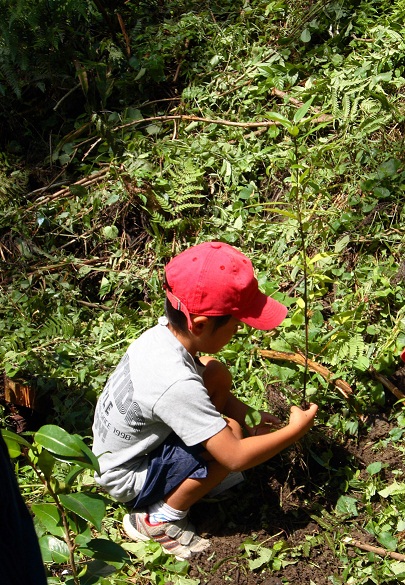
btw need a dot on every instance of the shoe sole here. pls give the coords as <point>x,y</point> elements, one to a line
<point>133,533</point>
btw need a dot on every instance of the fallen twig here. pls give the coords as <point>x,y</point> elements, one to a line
<point>218,121</point>
<point>297,358</point>
<point>387,384</point>
<point>382,552</point>
<point>85,182</point>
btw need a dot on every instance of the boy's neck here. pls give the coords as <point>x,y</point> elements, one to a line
<point>186,339</point>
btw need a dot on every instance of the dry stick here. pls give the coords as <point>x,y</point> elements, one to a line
<point>85,182</point>
<point>375,549</point>
<point>218,121</point>
<point>297,358</point>
<point>389,385</point>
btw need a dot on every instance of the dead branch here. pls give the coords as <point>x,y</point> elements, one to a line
<point>297,358</point>
<point>382,552</point>
<point>387,384</point>
<point>218,121</point>
<point>85,182</point>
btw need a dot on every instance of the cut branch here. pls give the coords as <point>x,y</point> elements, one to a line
<point>382,552</point>
<point>297,358</point>
<point>387,384</point>
<point>85,182</point>
<point>218,121</point>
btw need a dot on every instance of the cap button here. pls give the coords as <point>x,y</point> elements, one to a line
<point>216,244</point>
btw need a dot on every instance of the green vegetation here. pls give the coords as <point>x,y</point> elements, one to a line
<point>131,130</point>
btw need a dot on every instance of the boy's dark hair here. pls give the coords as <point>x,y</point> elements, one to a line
<point>178,320</point>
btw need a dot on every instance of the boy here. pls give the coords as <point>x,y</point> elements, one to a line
<point>167,428</point>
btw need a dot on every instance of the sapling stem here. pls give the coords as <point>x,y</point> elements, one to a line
<point>304,403</point>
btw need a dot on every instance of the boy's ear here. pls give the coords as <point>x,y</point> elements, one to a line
<point>199,324</point>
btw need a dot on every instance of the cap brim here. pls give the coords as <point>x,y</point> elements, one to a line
<point>263,313</point>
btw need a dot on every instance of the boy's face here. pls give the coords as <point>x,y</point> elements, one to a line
<point>212,341</point>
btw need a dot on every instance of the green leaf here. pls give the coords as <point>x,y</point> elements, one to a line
<point>305,36</point>
<point>10,436</point>
<point>393,490</point>
<point>342,244</point>
<point>91,460</point>
<point>347,506</point>
<point>105,286</point>
<point>294,130</point>
<point>53,549</point>
<point>14,449</point>
<point>59,441</point>
<point>264,557</point>
<point>252,417</point>
<point>91,508</point>
<point>374,467</point>
<point>276,117</point>
<point>46,463</point>
<point>78,190</point>
<point>387,540</point>
<point>110,232</point>
<point>105,550</point>
<point>302,111</point>
<point>50,518</point>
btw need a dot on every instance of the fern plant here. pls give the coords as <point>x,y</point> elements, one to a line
<point>178,197</point>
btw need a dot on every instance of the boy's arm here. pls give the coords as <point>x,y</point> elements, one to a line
<point>240,454</point>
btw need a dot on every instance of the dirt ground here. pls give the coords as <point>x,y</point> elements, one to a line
<point>278,501</point>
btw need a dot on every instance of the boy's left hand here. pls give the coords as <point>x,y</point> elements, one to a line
<point>267,424</point>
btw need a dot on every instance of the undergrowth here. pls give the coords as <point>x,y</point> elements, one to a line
<point>195,122</point>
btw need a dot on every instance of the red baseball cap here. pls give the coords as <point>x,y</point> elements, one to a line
<point>214,279</point>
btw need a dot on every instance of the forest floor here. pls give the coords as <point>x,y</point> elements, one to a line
<point>285,499</point>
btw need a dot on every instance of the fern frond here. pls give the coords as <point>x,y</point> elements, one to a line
<point>346,103</point>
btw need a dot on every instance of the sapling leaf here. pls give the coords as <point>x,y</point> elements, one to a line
<point>393,490</point>
<point>10,436</point>
<point>106,550</point>
<point>59,441</point>
<point>50,518</point>
<point>90,508</point>
<point>53,549</point>
<point>278,118</point>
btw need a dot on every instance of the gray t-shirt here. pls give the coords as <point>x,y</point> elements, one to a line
<point>155,389</point>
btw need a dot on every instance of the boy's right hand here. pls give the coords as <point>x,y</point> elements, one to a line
<point>302,420</point>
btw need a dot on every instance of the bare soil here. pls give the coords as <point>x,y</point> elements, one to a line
<point>284,500</point>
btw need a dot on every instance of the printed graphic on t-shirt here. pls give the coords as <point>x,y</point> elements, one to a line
<point>119,392</point>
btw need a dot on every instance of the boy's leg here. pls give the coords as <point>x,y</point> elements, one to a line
<point>191,490</point>
<point>218,381</point>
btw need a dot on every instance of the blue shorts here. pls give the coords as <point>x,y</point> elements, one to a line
<point>170,464</point>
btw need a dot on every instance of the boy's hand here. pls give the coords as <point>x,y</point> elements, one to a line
<point>302,420</point>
